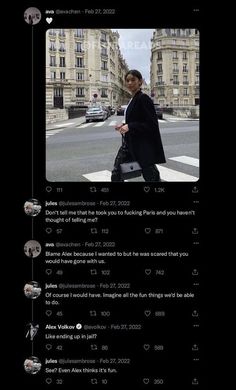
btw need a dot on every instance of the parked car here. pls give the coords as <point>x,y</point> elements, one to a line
<point>96,113</point>
<point>159,111</point>
<point>121,110</point>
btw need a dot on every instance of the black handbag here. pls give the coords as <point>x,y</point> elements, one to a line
<point>130,169</point>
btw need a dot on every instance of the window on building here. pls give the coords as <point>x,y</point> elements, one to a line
<point>159,80</point>
<point>197,79</point>
<point>159,55</point>
<point>52,61</point>
<point>185,91</point>
<point>62,46</point>
<point>175,55</point>
<point>52,46</point>
<point>178,32</point>
<point>78,47</point>
<point>104,77</point>
<point>52,33</point>
<point>185,67</point>
<point>104,51</point>
<point>79,62</point>
<point>161,91</point>
<point>197,68</point>
<point>173,41</point>
<point>79,92</point>
<point>185,80</point>
<point>62,75</point>
<point>79,32</point>
<point>185,102</point>
<point>185,55</point>
<point>104,92</point>
<point>58,92</point>
<point>62,32</point>
<point>103,36</point>
<point>62,62</point>
<point>175,67</point>
<point>197,55</point>
<point>159,68</point>
<point>175,79</point>
<point>53,75</point>
<point>104,65</point>
<point>80,76</point>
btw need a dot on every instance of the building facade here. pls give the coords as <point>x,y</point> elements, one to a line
<point>175,67</point>
<point>83,66</point>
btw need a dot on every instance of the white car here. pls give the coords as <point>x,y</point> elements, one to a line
<point>95,113</point>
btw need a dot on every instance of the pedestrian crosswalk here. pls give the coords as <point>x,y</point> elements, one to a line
<point>115,122</point>
<point>167,174</point>
<point>49,133</point>
<point>109,123</point>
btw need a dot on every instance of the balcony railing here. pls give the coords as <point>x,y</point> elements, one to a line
<point>175,70</point>
<point>185,82</point>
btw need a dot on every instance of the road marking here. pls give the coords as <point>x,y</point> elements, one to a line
<point>186,160</point>
<point>84,125</point>
<point>168,174</point>
<point>52,132</point>
<point>65,124</point>
<point>99,124</point>
<point>114,122</point>
<point>99,176</point>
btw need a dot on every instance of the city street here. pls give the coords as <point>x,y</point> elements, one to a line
<point>86,152</point>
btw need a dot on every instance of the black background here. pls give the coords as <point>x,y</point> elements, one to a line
<point>128,16</point>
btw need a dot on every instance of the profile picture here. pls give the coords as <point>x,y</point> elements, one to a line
<point>32,290</point>
<point>32,365</point>
<point>31,330</point>
<point>32,207</point>
<point>32,15</point>
<point>32,248</point>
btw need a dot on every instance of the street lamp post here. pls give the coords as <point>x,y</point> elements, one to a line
<point>90,89</point>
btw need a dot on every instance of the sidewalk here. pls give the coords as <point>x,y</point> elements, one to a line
<point>64,124</point>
